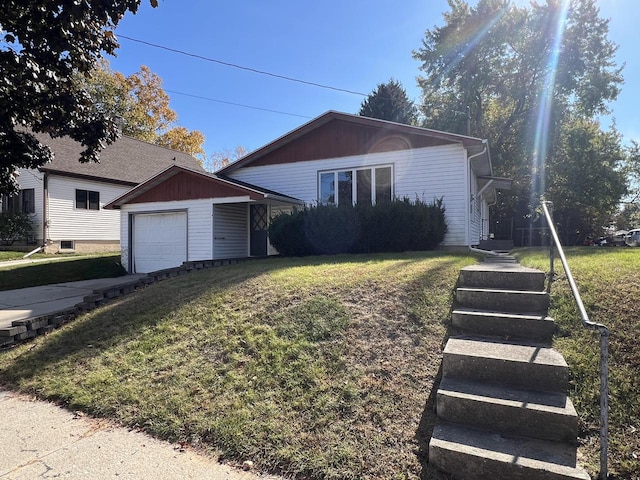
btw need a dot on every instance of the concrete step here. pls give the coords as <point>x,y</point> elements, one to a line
<point>511,411</point>
<point>473,454</point>
<point>507,325</point>
<point>515,301</point>
<point>519,364</point>
<point>502,273</point>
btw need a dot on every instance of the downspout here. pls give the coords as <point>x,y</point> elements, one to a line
<point>45,197</point>
<point>471,157</point>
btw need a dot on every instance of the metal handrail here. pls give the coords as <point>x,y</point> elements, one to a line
<point>547,207</point>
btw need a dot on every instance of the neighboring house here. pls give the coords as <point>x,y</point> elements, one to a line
<point>67,197</point>
<point>334,158</point>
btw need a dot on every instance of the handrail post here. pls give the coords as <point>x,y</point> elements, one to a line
<point>604,341</point>
<point>551,245</point>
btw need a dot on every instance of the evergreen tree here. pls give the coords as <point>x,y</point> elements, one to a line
<point>389,101</point>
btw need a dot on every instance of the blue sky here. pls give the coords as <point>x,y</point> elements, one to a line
<point>348,44</point>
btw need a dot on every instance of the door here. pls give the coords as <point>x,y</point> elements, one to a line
<point>159,241</point>
<point>258,230</point>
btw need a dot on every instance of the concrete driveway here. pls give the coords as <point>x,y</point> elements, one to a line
<point>35,301</point>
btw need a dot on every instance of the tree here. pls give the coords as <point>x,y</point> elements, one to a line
<point>525,81</point>
<point>42,46</point>
<point>142,107</point>
<point>389,101</point>
<point>224,157</point>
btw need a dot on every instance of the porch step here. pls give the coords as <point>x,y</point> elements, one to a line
<point>517,301</point>
<point>507,325</point>
<point>518,364</point>
<point>473,454</point>
<point>505,410</point>
<point>500,273</point>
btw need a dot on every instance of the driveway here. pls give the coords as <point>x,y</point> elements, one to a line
<point>35,301</point>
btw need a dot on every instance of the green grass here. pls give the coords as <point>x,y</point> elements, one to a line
<point>609,283</point>
<point>320,367</point>
<point>70,269</point>
<point>13,255</point>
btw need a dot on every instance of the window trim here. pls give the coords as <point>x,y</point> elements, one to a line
<point>354,182</point>
<point>87,200</point>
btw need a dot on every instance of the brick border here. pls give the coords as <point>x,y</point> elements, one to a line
<point>25,329</point>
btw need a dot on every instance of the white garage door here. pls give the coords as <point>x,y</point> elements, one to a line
<point>159,241</point>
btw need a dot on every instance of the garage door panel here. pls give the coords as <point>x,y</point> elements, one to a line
<point>159,241</point>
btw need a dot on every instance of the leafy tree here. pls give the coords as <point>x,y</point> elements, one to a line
<point>225,157</point>
<point>525,85</point>
<point>142,107</point>
<point>389,101</point>
<point>42,46</point>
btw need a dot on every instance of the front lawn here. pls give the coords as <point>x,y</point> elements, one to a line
<point>70,269</point>
<point>609,282</point>
<point>318,367</point>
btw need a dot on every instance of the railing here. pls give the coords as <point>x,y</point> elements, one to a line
<point>547,207</point>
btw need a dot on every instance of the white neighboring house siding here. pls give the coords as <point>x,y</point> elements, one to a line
<point>199,225</point>
<point>66,222</point>
<point>426,173</point>
<point>31,178</point>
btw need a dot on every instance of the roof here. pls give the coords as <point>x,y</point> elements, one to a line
<point>204,185</point>
<point>127,161</point>
<point>421,136</point>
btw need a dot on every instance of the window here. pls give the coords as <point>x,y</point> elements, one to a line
<point>66,244</point>
<point>87,199</point>
<point>368,185</point>
<point>23,202</point>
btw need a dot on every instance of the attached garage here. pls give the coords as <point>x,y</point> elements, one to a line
<point>184,215</point>
<point>158,240</point>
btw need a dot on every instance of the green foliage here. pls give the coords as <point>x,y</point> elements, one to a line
<point>389,101</point>
<point>42,46</point>
<point>15,226</point>
<point>396,226</point>
<point>496,59</point>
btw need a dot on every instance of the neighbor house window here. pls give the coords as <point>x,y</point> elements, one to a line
<point>23,202</point>
<point>66,244</point>
<point>369,185</point>
<point>87,199</point>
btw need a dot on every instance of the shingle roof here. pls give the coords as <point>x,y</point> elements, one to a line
<point>127,161</point>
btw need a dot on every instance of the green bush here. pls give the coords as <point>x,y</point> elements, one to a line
<point>15,226</point>
<point>396,226</point>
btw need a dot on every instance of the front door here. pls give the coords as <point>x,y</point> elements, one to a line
<point>258,230</point>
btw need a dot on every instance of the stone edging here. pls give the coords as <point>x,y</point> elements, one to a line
<point>21,330</point>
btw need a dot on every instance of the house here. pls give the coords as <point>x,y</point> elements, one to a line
<point>181,214</point>
<point>67,198</point>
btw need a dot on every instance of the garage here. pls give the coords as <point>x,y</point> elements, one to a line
<point>159,241</point>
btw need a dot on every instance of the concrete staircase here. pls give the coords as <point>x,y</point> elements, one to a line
<point>502,406</point>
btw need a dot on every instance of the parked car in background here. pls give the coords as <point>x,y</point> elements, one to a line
<point>618,239</point>
<point>633,238</point>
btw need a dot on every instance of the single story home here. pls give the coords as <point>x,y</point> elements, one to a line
<point>181,214</point>
<point>67,198</point>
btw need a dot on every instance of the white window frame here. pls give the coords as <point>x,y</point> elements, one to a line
<point>354,182</point>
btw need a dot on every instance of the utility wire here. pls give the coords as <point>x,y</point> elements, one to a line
<point>249,69</point>
<point>236,104</point>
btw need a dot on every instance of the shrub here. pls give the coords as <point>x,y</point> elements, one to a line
<point>396,226</point>
<point>15,226</point>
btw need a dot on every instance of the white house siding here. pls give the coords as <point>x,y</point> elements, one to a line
<point>230,231</point>
<point>66,222</point>
<point>199,225</point>
<point>475,212</point>
<point>31,178</point>
<point>425,173</point>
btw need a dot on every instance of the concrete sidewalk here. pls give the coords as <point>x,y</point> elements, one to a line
<point>31,302</point>
<point>41,440</point>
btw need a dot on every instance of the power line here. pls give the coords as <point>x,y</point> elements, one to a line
<point>237,104</point>
<point>249,69</point>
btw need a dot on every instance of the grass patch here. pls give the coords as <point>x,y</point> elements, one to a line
<point>57,271</point>
<point>15,255</point>
<point>317,367</point>
<point>609,284</point>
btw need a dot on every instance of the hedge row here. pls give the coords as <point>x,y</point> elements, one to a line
<point>396,226</point>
